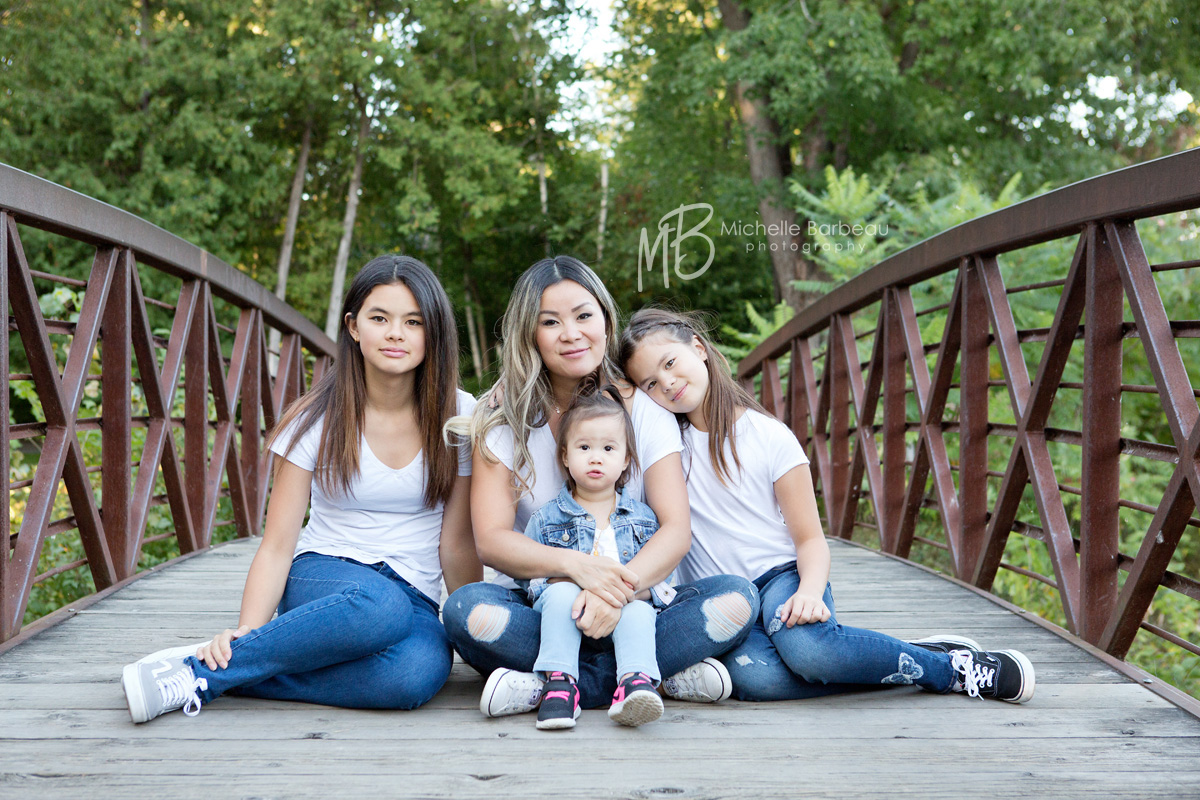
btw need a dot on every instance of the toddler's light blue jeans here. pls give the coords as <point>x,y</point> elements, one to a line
<point>633,638</point>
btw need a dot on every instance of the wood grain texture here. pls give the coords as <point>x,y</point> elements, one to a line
<point>1089,731</point>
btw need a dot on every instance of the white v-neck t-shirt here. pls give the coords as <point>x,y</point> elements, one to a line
<point>384,517</point>
<point>738,529</point>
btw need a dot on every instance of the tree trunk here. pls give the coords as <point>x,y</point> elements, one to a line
<point>768,169</point>
<point>603,210</point>
<point>472,301</point>
<point>543,195</point>
<point>144,44</point>
<point>333,319</point>
<point>484,350</point>
<point>289,232</point>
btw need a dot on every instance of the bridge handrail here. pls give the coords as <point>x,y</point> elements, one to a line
<point>867,469</point>
<point>232,391</point>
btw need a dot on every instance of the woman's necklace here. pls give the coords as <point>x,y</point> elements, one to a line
<point>596,540</point>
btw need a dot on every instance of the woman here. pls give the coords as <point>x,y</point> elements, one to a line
<point>559,328</point>
<point>357,587</point>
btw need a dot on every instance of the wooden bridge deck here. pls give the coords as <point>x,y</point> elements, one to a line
<point>1089,732</point>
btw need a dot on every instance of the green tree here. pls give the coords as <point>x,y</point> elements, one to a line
<point>928,91</point>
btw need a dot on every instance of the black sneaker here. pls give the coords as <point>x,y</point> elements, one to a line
<point>945,642</point>
<point>636,701</point>
<point>560,703</point>
<point>999,674</point>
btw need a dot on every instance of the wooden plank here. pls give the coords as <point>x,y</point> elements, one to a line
<point>1089,732</point>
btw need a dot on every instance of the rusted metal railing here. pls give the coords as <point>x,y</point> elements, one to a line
<point>889,436</point>
<point>229,395</point>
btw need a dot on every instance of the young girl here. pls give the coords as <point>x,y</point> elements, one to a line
<point>593,515</point>
<point>754,514</point>
<point>560,328</point>
<point>357,587</point>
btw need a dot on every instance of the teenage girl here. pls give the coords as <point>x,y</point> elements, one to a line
<point>591,514</point>
<point>357,588</point>
<point>754,514</point>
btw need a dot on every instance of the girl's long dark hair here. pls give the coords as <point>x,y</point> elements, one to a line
<point>340,396</point>
<point>725,396</point>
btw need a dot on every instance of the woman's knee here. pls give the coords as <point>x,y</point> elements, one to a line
<point>478,611</point>
<point>730,609</point>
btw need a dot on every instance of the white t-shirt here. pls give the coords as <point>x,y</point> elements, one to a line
<point>605,544</point>
<point>655,432</point>
<point>738,529</point>
<point>384,517</point>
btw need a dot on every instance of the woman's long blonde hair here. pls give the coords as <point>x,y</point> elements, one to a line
<point>527,395</point>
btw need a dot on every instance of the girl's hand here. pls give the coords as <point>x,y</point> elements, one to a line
<point>218,652</point>
<point>609,580</point>
<point>594,618</point>
<point>802,608</point>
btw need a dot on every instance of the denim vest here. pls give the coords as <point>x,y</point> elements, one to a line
<point>564,523</point>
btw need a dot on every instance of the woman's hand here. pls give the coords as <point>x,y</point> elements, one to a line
<point>218,652</point>
<point>609,580</point>
<point>593,617</point>
<point>803,608</point>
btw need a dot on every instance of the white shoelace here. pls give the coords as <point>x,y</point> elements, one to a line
<point>975,676</point>
<point>178,691</point>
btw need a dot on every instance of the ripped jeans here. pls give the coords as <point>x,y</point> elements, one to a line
<point>822,658</point>
<point>706,618</point>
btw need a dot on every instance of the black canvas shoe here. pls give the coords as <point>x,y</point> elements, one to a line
<point>999,674</point>
<point>945,642</point>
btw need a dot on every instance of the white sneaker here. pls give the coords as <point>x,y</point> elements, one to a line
<point>182,651</point>
<point>153,688</point>
<point>510,692</point>
<point>706,682</point>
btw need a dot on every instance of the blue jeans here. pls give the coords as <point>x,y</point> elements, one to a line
<point>822,658</point>
<point>494,627</point>
<point>347,635</point>
<point>633,638</point>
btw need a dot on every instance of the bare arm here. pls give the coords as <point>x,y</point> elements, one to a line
<point>460,562</point>
<point>269,570</point>
<point>493,514</point>
<point>794,493</point>
<point>666,494</point>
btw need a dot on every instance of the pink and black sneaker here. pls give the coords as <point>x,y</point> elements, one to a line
<point>636,701</point>
<point>560,703</point>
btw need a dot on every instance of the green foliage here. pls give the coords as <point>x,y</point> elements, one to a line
<point>902,119</point>
<point>737,344</point>
<point>855,223</point>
